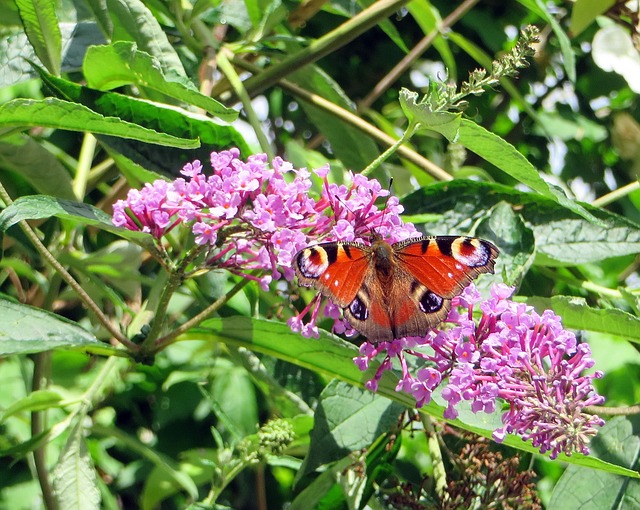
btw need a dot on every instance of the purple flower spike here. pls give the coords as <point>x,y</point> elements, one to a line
<point>511,356</point>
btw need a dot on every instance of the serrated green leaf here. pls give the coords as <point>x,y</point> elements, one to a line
<point>58,114</point>
<point>121,63</point>
<point>41,26</point>
<point>580,488</point>
<point>577,314</point>
<point>38,400</point>
<point>26,329</point>
<point>74,477</point>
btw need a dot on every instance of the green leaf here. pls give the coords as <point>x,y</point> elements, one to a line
<point>39,167</point>
<point>234,396</point>
<point>133,21</point>
<point>31,444</point>
<point>584,12</point>
<point>16,54</point>
<point>347,419</point>
<point>26,329</point>
<point>445,123</point>
<point>561,237</point>
<point>581,488</point>
<point>516,241</point>
<point>333,357</point>
<point>35,207</point>
<point>577,314</point>
<point>485,144</point>
<point>74,477</point>
<point>41,26</point>
<point>111,66</point>
<point>58,114</point>
<point>162,118</point>
<point>506,157</point>
<point>38,400</point>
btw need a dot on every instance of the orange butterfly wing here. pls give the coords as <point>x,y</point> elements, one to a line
<point>337,270</point>
<point>446,264</point>
<point>392,291</point>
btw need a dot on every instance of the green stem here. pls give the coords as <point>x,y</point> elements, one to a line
<point>603,291</point>
<point>170,338</point>
<point>40,380</point>
<point>587,285</point>
<point>176,277</point>
<point>408,133</point>
<point>87,151</point>
<point>616,194</point>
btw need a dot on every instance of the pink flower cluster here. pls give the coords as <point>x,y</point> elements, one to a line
<point>527,360</point>
<point>256,216</point>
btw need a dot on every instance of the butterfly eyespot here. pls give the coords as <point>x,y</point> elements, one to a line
<point>312,262</point>
<point>471,252</point>
<point>430,302</point>
<point>358,309</point>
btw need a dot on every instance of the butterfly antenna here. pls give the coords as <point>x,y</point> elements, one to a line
<point>386,204</point>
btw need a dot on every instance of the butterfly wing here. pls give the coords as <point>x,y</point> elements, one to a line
<point>446,264</point>
<point>395,291</point>
<point>429,272</point>
<point>336,270</point>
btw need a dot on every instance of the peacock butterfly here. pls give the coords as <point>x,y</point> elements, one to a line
<point>395,290</point>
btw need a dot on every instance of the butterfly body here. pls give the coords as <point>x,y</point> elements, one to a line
<point>391,291</point>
